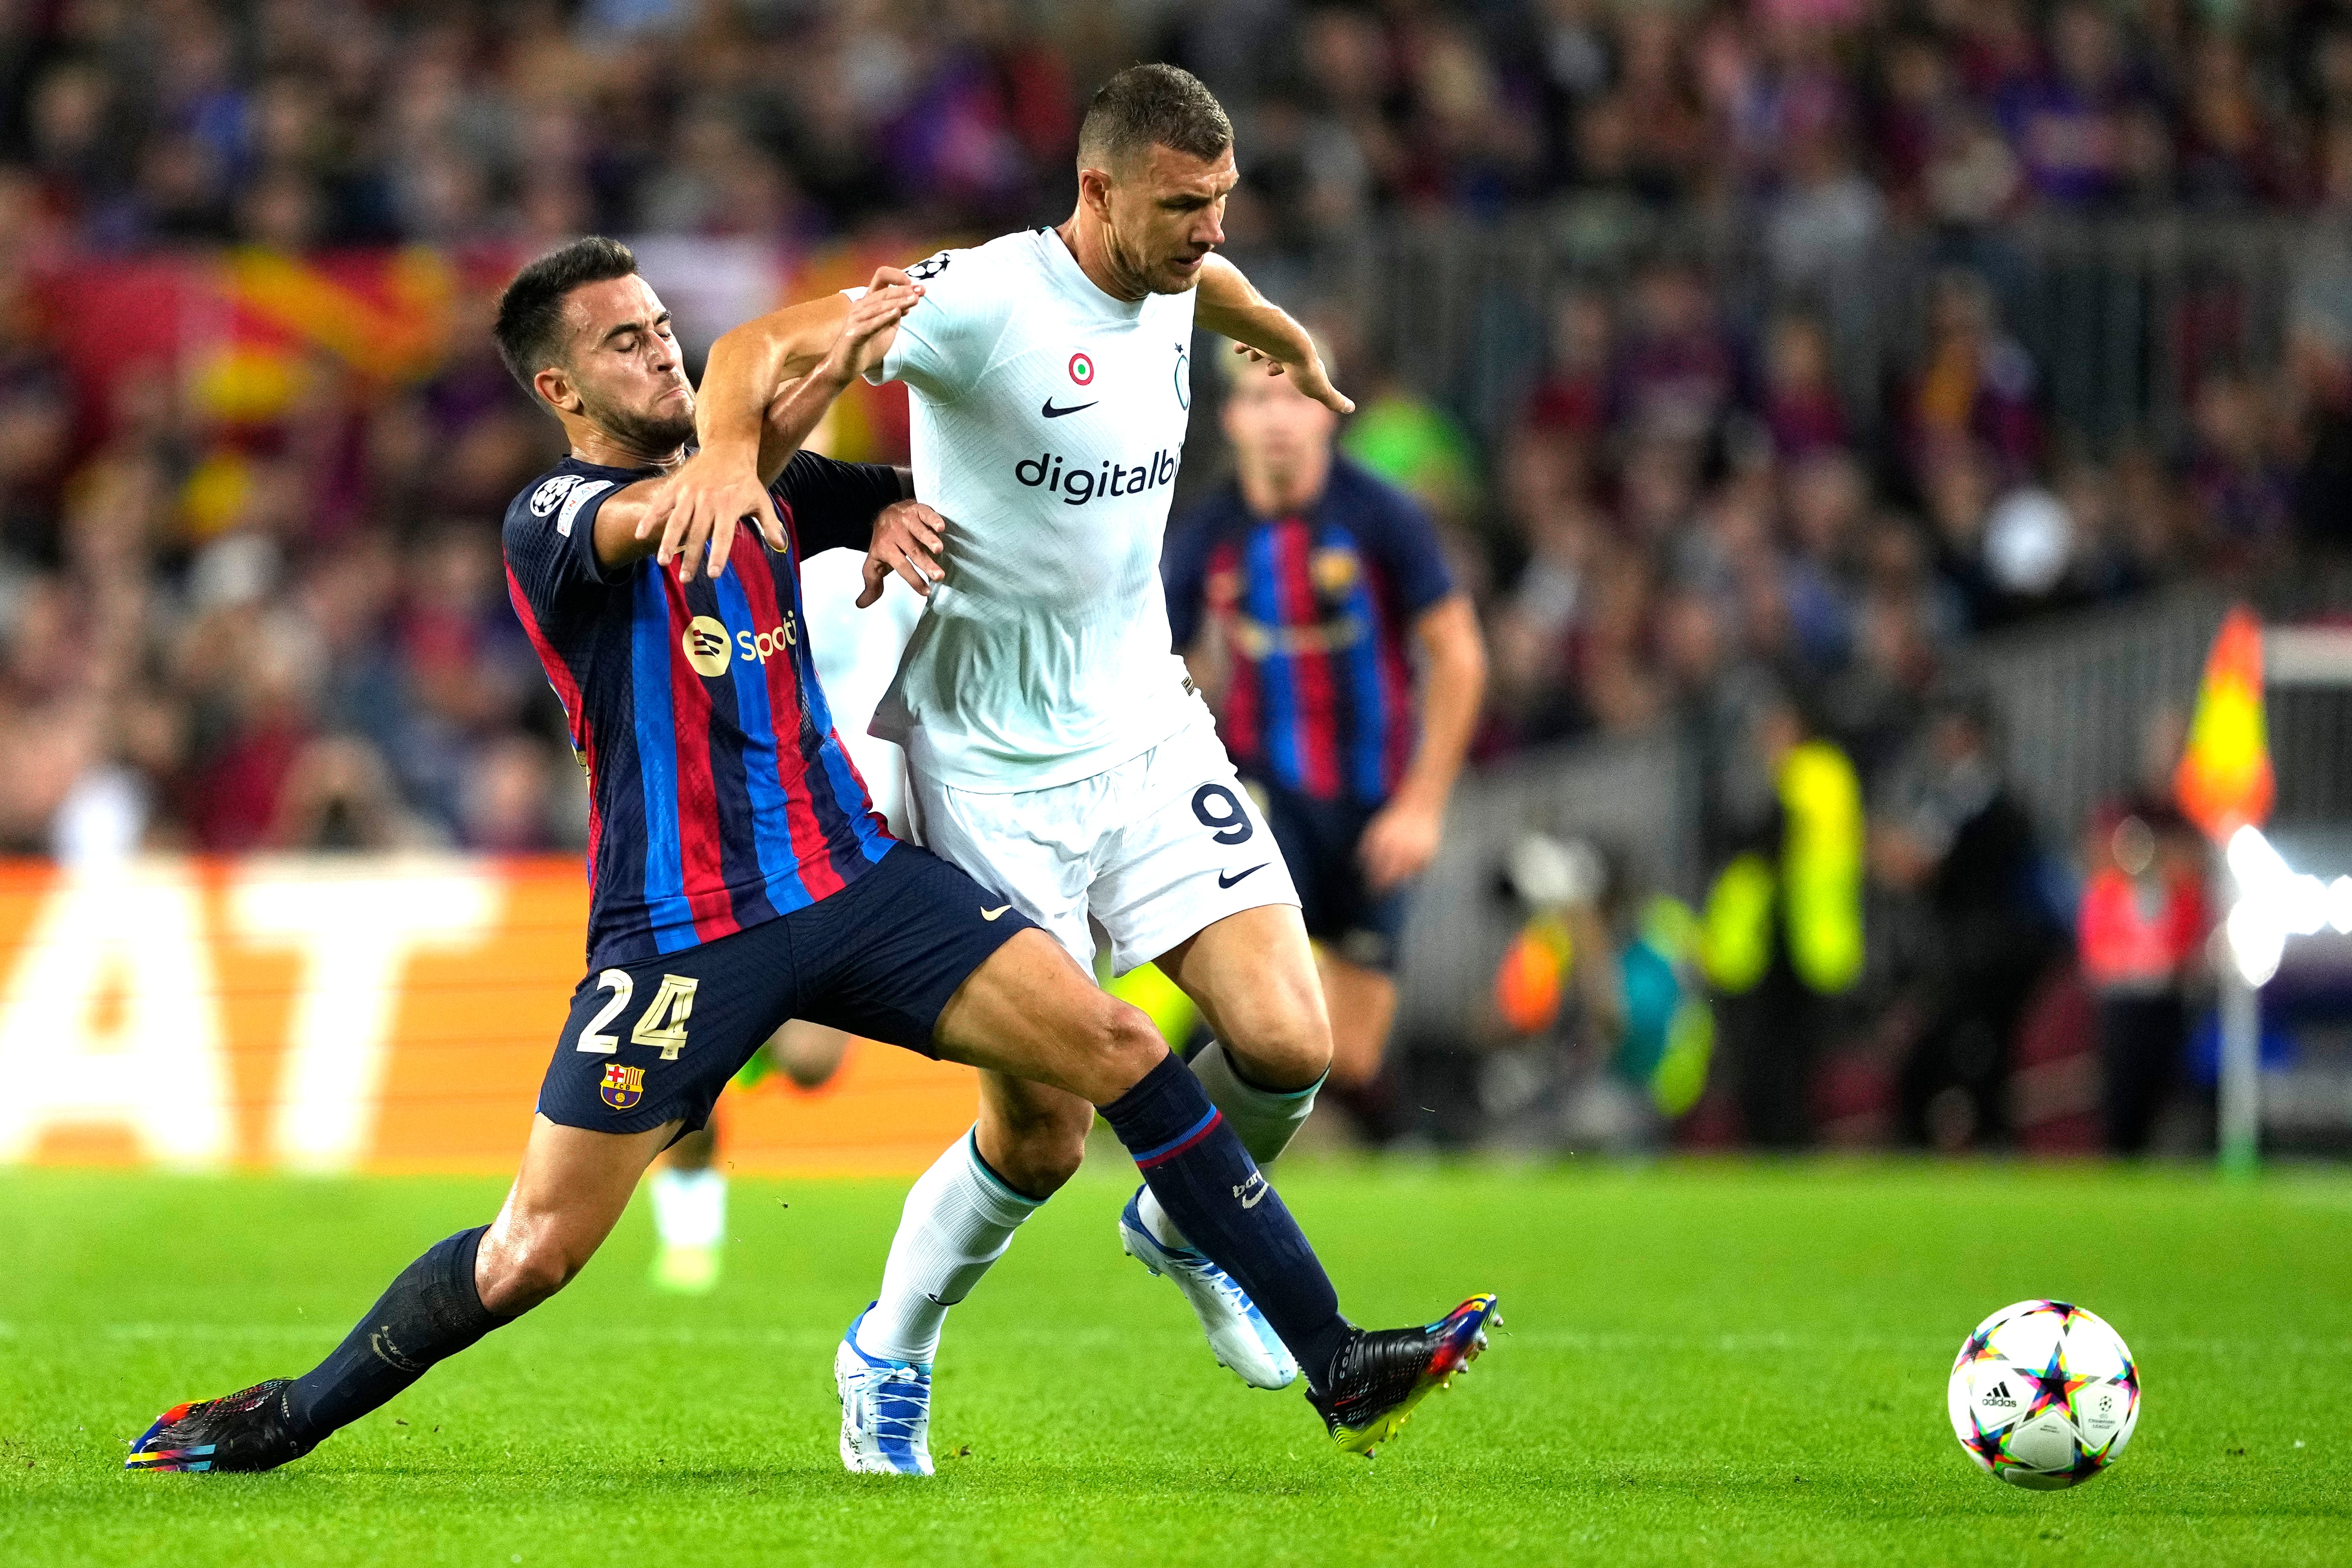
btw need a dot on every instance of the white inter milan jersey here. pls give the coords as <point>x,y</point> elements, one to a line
<point>1048,423</point>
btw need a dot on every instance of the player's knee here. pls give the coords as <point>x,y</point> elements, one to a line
<point>517,1272</point>
<point>1121,1046</point>
<point>1285,1048</point>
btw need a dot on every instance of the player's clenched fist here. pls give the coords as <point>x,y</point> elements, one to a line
<point>909,539</point>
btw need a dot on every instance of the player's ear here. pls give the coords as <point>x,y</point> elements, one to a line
<point>1094,191</point>
<point>555,385</point>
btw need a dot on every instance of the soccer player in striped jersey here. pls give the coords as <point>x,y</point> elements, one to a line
<point>738,877</point>
<point>1299,595</point>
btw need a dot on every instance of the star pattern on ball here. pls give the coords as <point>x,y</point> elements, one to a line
<point>2054,1386</point>
<point>1986,1446</point>
<point>2088,1462</point>
<point>1979,1347</point>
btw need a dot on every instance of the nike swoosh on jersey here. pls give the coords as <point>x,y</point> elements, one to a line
<point>1225,881</point>
<point>992,914</point>
<point>1254,1200</point>
<point>1050,411</point>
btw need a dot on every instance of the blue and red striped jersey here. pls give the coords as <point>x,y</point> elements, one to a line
<point>719,795</point>
<point>1314,609</point>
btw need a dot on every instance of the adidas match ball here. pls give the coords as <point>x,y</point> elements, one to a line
<point>2044,1395</point>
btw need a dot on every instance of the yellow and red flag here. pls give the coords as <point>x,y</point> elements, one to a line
<point>2224,781</point>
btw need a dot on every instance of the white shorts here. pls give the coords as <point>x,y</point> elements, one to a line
<point>1156,849</point>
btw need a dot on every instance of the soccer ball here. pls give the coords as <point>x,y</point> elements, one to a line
<point>2044,1395</point>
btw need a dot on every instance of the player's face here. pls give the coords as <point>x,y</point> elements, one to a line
<point>625,364</point>
<point>1276,429</point>
<point>1166,213</point>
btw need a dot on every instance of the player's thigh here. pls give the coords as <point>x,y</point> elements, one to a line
<point>1032,1134</point>
<point>566,1198</point>
<point>1192,849</point>
<point>1362,1005</point>
<point>1253,976</point>
<point>1032,847</point>
<point>884,957</point>
<point>1031,1012</point>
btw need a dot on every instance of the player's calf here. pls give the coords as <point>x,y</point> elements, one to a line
<point>430,1312</point>
<point>572,1188</point>
<point>1034,1138</point>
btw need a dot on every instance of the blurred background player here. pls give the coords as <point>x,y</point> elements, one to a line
<point>688,1186</point>
<point>1304,596</point>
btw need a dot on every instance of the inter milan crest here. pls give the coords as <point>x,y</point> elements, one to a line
<point>624,1086</point>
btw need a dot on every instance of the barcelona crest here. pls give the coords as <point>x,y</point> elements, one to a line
<point>624,1086</point>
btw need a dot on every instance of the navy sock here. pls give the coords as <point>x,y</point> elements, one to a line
<point>1214,1192</point>
<point>429,1313</point>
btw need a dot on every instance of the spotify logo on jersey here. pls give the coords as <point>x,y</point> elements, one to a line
<point>707,646</point>
<point>708,649</point>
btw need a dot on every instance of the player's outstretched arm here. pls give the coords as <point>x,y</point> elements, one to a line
<point>744,411</point>
<point>1402,839</point>
<point>1263,331</point>
<point>863,336</point>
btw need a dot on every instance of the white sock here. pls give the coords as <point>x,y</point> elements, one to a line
<point>689,1207</point>
<point>1265,1120</point>
<point>959,1219</point>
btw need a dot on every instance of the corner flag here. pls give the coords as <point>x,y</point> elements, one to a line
<point>2224,779</point>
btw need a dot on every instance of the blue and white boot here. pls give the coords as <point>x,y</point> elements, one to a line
<point>885,1410</point>
<point>1239,1334</point>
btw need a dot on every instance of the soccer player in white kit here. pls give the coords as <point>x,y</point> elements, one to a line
<point>1056,747</point>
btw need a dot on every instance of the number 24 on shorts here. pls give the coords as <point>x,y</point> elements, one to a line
<point>662,1024</point>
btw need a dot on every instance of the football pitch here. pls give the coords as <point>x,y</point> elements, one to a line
<point>1703,1362</point>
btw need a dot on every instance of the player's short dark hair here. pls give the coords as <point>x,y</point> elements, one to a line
<point>1147,106</point>
<point>529,329</point>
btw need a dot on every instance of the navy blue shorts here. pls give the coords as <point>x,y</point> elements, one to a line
<point>1319,839</point>
<point>656,1041</point>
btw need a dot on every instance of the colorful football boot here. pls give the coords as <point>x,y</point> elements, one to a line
<point>1238,1334</point>
<point>885,1410</point>
<point>247,1430</point>
<point>1381,1374</point>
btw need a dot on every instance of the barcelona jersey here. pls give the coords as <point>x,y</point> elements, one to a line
<point>1314,609</point>
<point>719,795</point>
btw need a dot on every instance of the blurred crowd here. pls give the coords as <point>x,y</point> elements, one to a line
<point>296,121</point>
<point>226,632</point>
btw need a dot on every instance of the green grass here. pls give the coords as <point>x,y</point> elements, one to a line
<point>1703,1363</point>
